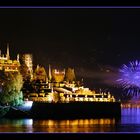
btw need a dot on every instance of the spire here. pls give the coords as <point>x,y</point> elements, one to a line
<point>8,56</point>
<point>50,74</point>
<point>37,67</point>
<point>64,71</point>
<point>18,57</point>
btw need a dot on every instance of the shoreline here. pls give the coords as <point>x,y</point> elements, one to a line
<point>70,110</point>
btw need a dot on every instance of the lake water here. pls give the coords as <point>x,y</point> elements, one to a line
<point>129,122</point>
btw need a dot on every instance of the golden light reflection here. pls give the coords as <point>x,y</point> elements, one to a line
<point>78,125</point>
<point>52,126</point>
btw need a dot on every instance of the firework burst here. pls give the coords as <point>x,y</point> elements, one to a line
<point>130,77</point>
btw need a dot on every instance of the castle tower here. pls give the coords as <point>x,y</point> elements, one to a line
<point>28,60</point>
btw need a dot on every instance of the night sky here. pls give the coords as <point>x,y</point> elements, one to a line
<point>89,40</point>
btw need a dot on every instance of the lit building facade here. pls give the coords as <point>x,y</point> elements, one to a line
<point>7,64</point>
<point>28,60</point>
<point>58,75</point>
<point>40,74</point>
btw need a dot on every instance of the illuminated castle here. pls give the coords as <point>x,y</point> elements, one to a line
<point>7,64</point>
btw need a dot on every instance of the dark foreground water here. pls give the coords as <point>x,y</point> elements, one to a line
<point>129,122</point>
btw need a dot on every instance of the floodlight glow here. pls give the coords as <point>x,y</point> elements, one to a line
<point>28,103</point>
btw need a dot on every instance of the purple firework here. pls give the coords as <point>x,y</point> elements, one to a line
<point>130,77</point>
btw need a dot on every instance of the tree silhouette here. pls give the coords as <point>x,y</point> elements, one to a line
<point>24,71</point>
<point>11,84</point>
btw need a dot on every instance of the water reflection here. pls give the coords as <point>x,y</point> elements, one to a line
<point>130,116</point>
<point>80,125</point>
<point>16,125</point>
<point>129,122</point>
